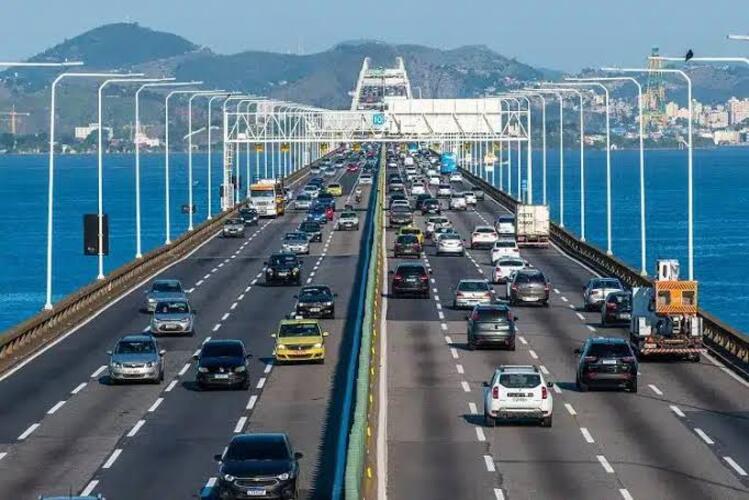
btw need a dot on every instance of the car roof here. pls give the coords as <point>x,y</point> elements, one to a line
<point>483,227</point>
<point>607,340</point>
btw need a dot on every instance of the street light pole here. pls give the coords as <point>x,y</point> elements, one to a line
<point>210,152</point>
<point>529,160</point>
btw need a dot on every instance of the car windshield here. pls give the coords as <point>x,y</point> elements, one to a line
<point>280,260</point>
<point>608,350</point>
<point>172,308</point>
<point>265,448</point>
<point>299,330</point>
<point>135,347</point>
<point>295,237</point>
<point>473,286</point>
<point>309,227</point>
<point>316,294</point>
<point>166,286</point>
<point>504,244</point>
<point>519,380</point>
<point>222,349</point>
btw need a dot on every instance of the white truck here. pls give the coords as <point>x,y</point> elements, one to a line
<point>532,225</point>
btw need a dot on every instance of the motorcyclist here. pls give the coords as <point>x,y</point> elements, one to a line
<point>357,194</point>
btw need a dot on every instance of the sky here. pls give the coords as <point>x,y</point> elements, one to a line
<point>559,34</point>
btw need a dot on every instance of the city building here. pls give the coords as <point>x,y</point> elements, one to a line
<point>82,133</point>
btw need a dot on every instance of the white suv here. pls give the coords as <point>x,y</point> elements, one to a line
<point>518,392</point>
<point>458,202</point>
<point>483,236</point>
<point>504,247</point>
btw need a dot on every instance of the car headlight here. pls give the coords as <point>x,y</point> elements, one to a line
<point>150,364</point>
<point>269,271</point>
<point>295,270</point>
<point>240,369</point>
<point>318,345</point>
<point>284,476</point>
<point>280,346</point>
<point>202,369</point>
<point>115,364</point>
<point>229,478</point>
<point>328,304</point>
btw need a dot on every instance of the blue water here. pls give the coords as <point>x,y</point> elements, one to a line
<point>23,203</point>
<point>721,218</point>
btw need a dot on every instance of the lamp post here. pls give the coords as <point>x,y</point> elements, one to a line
<point>690,186</point>
<point>227,200</point>
<point>641,120</point>
<point>210,152</point>
<point>543,137</point>
<point>529,160</point>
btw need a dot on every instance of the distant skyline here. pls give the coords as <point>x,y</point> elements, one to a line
<point>566,35</point>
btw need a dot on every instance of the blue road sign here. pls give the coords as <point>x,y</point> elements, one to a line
<point>378,119</point>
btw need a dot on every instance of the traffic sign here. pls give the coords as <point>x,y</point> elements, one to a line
<point>259,148</point>
<point>285,147</point>
<point>378,119</point>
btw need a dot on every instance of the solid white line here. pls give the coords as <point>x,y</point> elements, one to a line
<point>704,436</point>
<point>136,428</point>
<point>458,367</point>
<point>251,402</point>
<point>28,432</point>
<point>99,371</point>
<point>489,463</point>
<point>739,470</point>
<point>261,382</point>
<point>625,494</point>
<point>499,494</point>
<point>57,406</point>
<point>223,318</point>
<point>582,318</point>
<point>171,386</point>
<point>79,388</point>
<point>240,424</point>
<point>655,389</point>
<point>466,387</point>
<point>216,327</point>
<point>90,487</point>
<point>480,434</point>
<point>543,369</point>
<point>268,368</point>
<point>570,409</point>
<point>586,435</point>
<point>454,353</point>
<point>112,458</point>
<point>605,464</point>
<point>155,405</point>
<point>184,369</point>
<point>533,353</point>
<point>473,408</point>
<point>522,340</point>
<point>564,299</point>
<point>677,410</point>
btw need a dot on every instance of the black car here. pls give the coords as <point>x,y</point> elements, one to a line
<point>407,244</point>
<point>317,181</point>
<point>617,308</point>
<point>249,216</point>
<point>312,228</point>
<point>420,200</point>
<point>431,206</point>
<point>401,216</point>
<point>326,200</point>
<point>283,268</point>
<point>258,465</point>
<point>222,363</point>
<point>410,279</point>
<point>606,362</point>
<point>316,301</point>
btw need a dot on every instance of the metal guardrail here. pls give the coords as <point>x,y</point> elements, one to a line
<point>729,343</point>
<point>31,335</point>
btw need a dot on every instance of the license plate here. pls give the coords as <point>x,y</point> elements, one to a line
<point>529,299</point>
<point>256,492</point>
<point>625,316</point>
<point>283,273</point>
<point>314,309</point>
<point>608,361</point>
<point>222,376</point>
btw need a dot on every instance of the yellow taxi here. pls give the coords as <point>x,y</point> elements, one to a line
<point>335,189</point>
<point>299,340</point>
<point>413,230</point>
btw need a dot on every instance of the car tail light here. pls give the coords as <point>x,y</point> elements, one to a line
<point>628,359</point>
<point>474,316</point>
<point>495,392</point>
<point>514,287</point>
<point>397,277</point>
<point>544,392</point>
<point>610,305</point>
<point>459,294</point>
<point>423,277</point>
<point>546,287</point>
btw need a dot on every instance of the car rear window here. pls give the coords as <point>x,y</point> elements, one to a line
<point>490,314</point>
<point>218,350</point>
<point>473,286</point>
<point>412,271</point>
<point>484,230</point>
<point>609,350</point>
<point>519,380</point>
<point>401,209</point>
<point>278,260</point>
<point>504,244</point>
<point>530,278</point>
<point>407,239</point>
<point>506,218</point>
<point>511,263</point>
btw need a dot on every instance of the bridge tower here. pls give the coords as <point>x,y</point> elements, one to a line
<point>655,93</point>
<point>374,84</point>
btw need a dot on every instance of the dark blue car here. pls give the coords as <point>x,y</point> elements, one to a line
<point>317,214</point>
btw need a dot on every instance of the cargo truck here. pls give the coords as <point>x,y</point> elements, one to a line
<point>268,198</point>
<point>532,225</point>
<point>664,317</point>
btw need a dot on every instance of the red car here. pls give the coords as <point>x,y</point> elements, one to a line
<point>329,212</point>
<point>352,167</point>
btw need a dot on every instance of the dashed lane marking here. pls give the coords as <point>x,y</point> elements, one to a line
<point>655,389</point>
<point>216,327</point>
<point>522,340</point>
<point>677,410</point>
<point>605,464</point>
<point>171,386</point>
<point>489,462</point>
<point>155,405</point>
<point>533,354</point>
<point>98,371</point>
<point>499,494</point>
<point>570,409</point>
<point>226,315</point>
<point>268,368</point>
<point>556,290</point>
<point>79,388</point>
<point>200,282</point>
<point>480,434</point>
<point>251,403</point>
<point>240,425</point>
<point>56,407</point>
<point>261,382</point>
<point>564,299</point>
<point>112,458</point>
<point>136,428</point>
<point>454,353</point>
<point>443,326</point>
<point>586,435</point>
<point>473,408</point>
<point>465,386</point>
<point>90,487</point>
<point>543,369</point>
<point>625,494</point>
<point>591,328</point>
<point>459,368</point>
<point>704,436</point>
<point>582,318</point>
<point>739,470</point>
<point>184,369</point>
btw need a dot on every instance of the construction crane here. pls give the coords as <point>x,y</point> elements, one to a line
<point>12,116</point>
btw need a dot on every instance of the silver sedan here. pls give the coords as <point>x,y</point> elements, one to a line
<point>136,357</point>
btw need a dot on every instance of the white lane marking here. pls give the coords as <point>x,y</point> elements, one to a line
<point>499,494</point>
<point>251,403</point>
<point>437,298</point>
<point>432,280</point>
<point>268,368</point>
<point>655,389</point>
<point>454,353</point>
<point>247,289</point>
<point>240,424</point>
<point>199,283</point>
<point>543,369</point>
<point>223,318</point>
<point>211,482</point>
<point>441,315</point>
<point>155,405</point>
<point>704,436</point>
<point>146,328</point>
<point>458,367</point>
<point>677,410</point>
<point>206,276</point>
<point>214,269</point>
<point>28,431</point>
<point>110,461</point>
<point>448,339</point>
<point>184,369</point>
<point>556,389</point>
<point>522,340</point>
<point>241,297</point>
<point>489,463</point>
<point>233,306</point>
<point>170,386</point>
<point>480,434</point>
<point>309,280</point>
<point>571,306</point>
<point>207,339</point>
<point>435,290</point>
<point>582,318</point>
<point>473,408</point>
<point>556,290</point>
<point>586,435</point>
<point>98,371</point>
<point>136,428</point>
<point>533,353</point>
<point>57,406</point>
<point>312,274</point>
<point>196,353</point>
<point>564,299</point>
<point>261,383</point>
<point>465,386</point>
<point>726,370</point>
<point>591,328</point>
<point>605,464</point>
<point>90,487</point>
<point>216,327</point>
<point>253,282</point>
<point>443,326</point>
<point>625,494</point>
<point>221,265</point>
<point>439,307</point>
<point>739,470</point>
<point>570,409</point>
<point>79,388</point>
